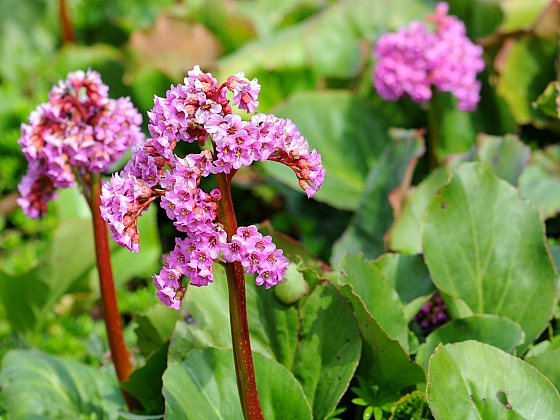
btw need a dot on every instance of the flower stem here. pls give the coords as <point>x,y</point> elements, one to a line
<point>434,116</point>
<point>242,355</point>
<point>111,315</point>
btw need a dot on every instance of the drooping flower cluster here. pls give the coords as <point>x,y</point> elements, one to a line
<point>412,59</point>
<point>78,129</point>
<point>200,110</point>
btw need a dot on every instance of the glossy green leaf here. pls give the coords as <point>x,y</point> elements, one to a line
<point>485,245</point>
<point>203,386</point>
<point>384,362</point>
<point>540,182</point>
<point>41,386</point>
<point>547,101</point>
<point>507,156</point>
<point>380,298</point>
<point>293,287</point>
<point>205,321</point>
<point>409,276</point>
<point>374,214</point>
<point>145,384</point>
<point>155,327</point>
<point>526,68</point>
<point>475,380</point>
<point>548,364</point>
<point>404,235</point>
<point>330,121</point>
<point>497,331</point>
<point>328,350</point>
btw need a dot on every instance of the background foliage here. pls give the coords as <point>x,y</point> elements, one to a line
<point>383,235</point>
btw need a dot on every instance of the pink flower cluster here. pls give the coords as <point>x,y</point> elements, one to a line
<point>79,129</point>
<point>414,58</point>
<point>200,111</point>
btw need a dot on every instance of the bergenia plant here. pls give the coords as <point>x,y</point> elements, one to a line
<point>201,111</point>
<point>434,53</point>
<point>71,139</point>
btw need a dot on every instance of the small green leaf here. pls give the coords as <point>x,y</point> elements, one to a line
<point>497,331</point>
<point>155,327</point>
<point>293,287</point>
<point>475,380</point>
<point>548,364</point>
<point>547,102</point>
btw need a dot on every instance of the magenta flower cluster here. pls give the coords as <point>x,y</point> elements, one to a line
<point>200,110</point>
<point>413,59</point>
<point>78,131</point>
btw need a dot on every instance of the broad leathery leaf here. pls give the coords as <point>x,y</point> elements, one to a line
<point>155,327</point>
<point>507,156</point>
<point>328,349</point>
<point>475,380</point>
<point>203,386</point>
<point>497,331</point>
<point>547,364</point>
<point>37,385</point>
<point>346,131</point>
<point>485,245</point>
<point>409,276</point>
<point>384,361</point>
<point>380,298</point>
<point>404,235</point>
<point>374,215</point>
<point>205,321</point>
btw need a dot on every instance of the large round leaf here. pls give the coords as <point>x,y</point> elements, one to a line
<point>491,329</point>
<point>203,386</point>
<point>41,386</point>
<point>485,245</point>
<point>473,380</point>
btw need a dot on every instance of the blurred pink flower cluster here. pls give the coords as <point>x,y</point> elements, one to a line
<point>413,59</point>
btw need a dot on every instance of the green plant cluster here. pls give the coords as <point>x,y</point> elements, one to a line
<point>386,232</point>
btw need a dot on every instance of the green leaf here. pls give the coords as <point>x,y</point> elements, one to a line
<point>203,386</point>
<point>507,156</point>
<point>548,364</point>
<point>540,182</point>
<point>328,350</point>
<point>381,300</point>
<point>384,362</point>
<point>520,14</point>
<point>330,121</point>
<point>409,276</point>
<point>404,235</point>
<point>205,321</point>
<point>374,214</point>
<point>475,380</point>
<point>547,101</point>
<point>145,384</point>
<point>36,385</point>
<point>485,245</point>
<point>497,331</point>
<point>526,67</point>
<point>155,327</point>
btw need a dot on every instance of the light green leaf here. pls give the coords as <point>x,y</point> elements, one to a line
<point>471,380</point>
<point>328,350</point>
<point>203,386</point>
<point>404,235</point>
<point>485,245</point>
<point>490,329</point>
<point>40,386</point>
<point>381,300</point>
<point>548,364</point>
<point>507,156</point>
<point>384,362</point>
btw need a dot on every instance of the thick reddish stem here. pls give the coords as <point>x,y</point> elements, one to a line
<point>65,23</point>
<point>242,355</point>
<point>111,315</point>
